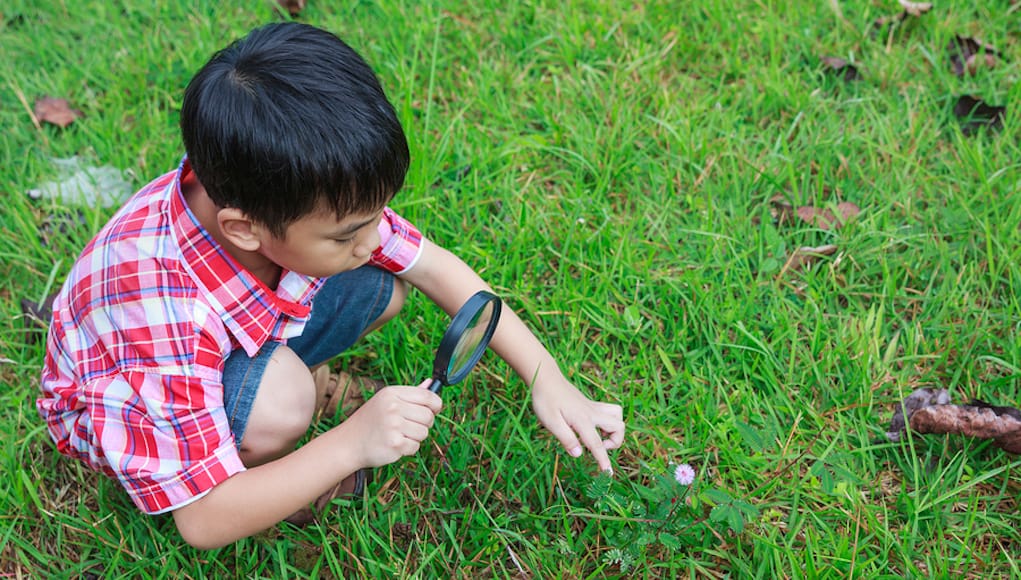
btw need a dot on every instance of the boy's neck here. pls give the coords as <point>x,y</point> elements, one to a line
<point>205,211</point>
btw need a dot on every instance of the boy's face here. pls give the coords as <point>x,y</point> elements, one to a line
<point>319,245</point>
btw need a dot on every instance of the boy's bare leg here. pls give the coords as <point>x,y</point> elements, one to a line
<point>282,410</point>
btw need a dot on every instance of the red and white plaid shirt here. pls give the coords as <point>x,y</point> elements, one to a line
<point>140,331</point>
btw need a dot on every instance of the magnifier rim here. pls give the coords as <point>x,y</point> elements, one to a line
<point>458,325</point>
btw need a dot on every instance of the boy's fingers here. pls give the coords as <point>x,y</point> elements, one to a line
<point>614,441</point>
<point>421,416</point>
<point>416,432</point>
<point>610,421</point>
<point>616,434</point>
<point>590,437</point>
<point>568,431</point>
<point>565,435</point>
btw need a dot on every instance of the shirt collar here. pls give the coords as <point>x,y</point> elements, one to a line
<point>251,311</point>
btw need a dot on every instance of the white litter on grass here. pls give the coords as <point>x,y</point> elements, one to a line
<point>81,184</point>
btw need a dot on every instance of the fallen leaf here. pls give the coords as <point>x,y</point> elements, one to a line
<point>918,399</point>
<point>79,183</point>
<point>805,256</point>
<point>977,61</point>
<point>967,55</point>
<point>55,111</point>
<point>980,422</point>
<point>781,209</point>
<point>915,8</point>
<point>293,7</point>
<point>929,410</point>
<point>840,66</point>
<point>974,113</point>
<point>825,218</point>
<point>848,210</point>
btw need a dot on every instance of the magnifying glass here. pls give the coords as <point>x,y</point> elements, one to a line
<point>465,340</point>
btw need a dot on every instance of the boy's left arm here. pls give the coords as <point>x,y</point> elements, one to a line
<point>568,414</point>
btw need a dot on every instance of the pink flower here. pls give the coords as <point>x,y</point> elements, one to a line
<point>684,474</point>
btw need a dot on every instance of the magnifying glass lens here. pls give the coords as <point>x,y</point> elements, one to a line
<point>465,340</point>
<point>470,341</point>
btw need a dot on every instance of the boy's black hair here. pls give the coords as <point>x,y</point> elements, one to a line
<point>290,117</point>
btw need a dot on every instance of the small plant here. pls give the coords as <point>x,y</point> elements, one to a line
<point>669,515</point>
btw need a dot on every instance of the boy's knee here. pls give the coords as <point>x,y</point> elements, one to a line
<point>283,408</point>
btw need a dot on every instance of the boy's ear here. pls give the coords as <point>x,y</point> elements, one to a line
<point>239,229</point>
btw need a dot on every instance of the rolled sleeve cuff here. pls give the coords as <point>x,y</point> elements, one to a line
<point>188,486</point>
<point>400,244</point>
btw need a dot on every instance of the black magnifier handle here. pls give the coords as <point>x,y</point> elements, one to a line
<point>436,386</point>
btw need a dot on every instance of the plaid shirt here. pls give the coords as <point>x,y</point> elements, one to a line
<point>141,328</point>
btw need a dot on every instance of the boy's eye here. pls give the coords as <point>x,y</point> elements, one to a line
<point>343,240</point>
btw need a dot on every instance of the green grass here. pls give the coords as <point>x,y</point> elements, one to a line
<point>608,167</point>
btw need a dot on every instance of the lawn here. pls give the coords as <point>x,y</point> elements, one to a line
<point>627,175</point>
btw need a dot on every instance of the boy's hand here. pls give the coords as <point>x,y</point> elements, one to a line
<point>570,416</point>
<point>392,423</point>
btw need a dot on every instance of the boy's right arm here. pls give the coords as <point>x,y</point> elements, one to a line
<point>390,425</point>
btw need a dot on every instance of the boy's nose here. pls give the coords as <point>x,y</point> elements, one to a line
<point>365,247</point>
<point>368,245</point>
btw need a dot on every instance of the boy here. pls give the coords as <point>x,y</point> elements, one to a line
<point>179,356</point>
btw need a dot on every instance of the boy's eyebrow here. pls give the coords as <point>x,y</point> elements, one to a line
<point>352,228</point>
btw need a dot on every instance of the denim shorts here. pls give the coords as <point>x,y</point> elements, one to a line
<point>344,307</point>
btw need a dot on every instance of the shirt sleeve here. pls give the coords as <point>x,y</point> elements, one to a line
<point>400,244</point>
<point>166,439</point>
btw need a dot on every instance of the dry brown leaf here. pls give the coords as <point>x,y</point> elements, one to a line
<point>825,218</point>
<point>928,410</point>
<point>809,214</point>
<point>976,61</point>
<point>805,256</point>
<point>918,399</point>
<point>834,62</point>
<point>848,210</point>
<point>293,7</point>
<point>968,55</point>
<point>974,113</point>
<point>981,422</point>
<point>915,8</point>
<point>55,111</point>
<point>841,67</point>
